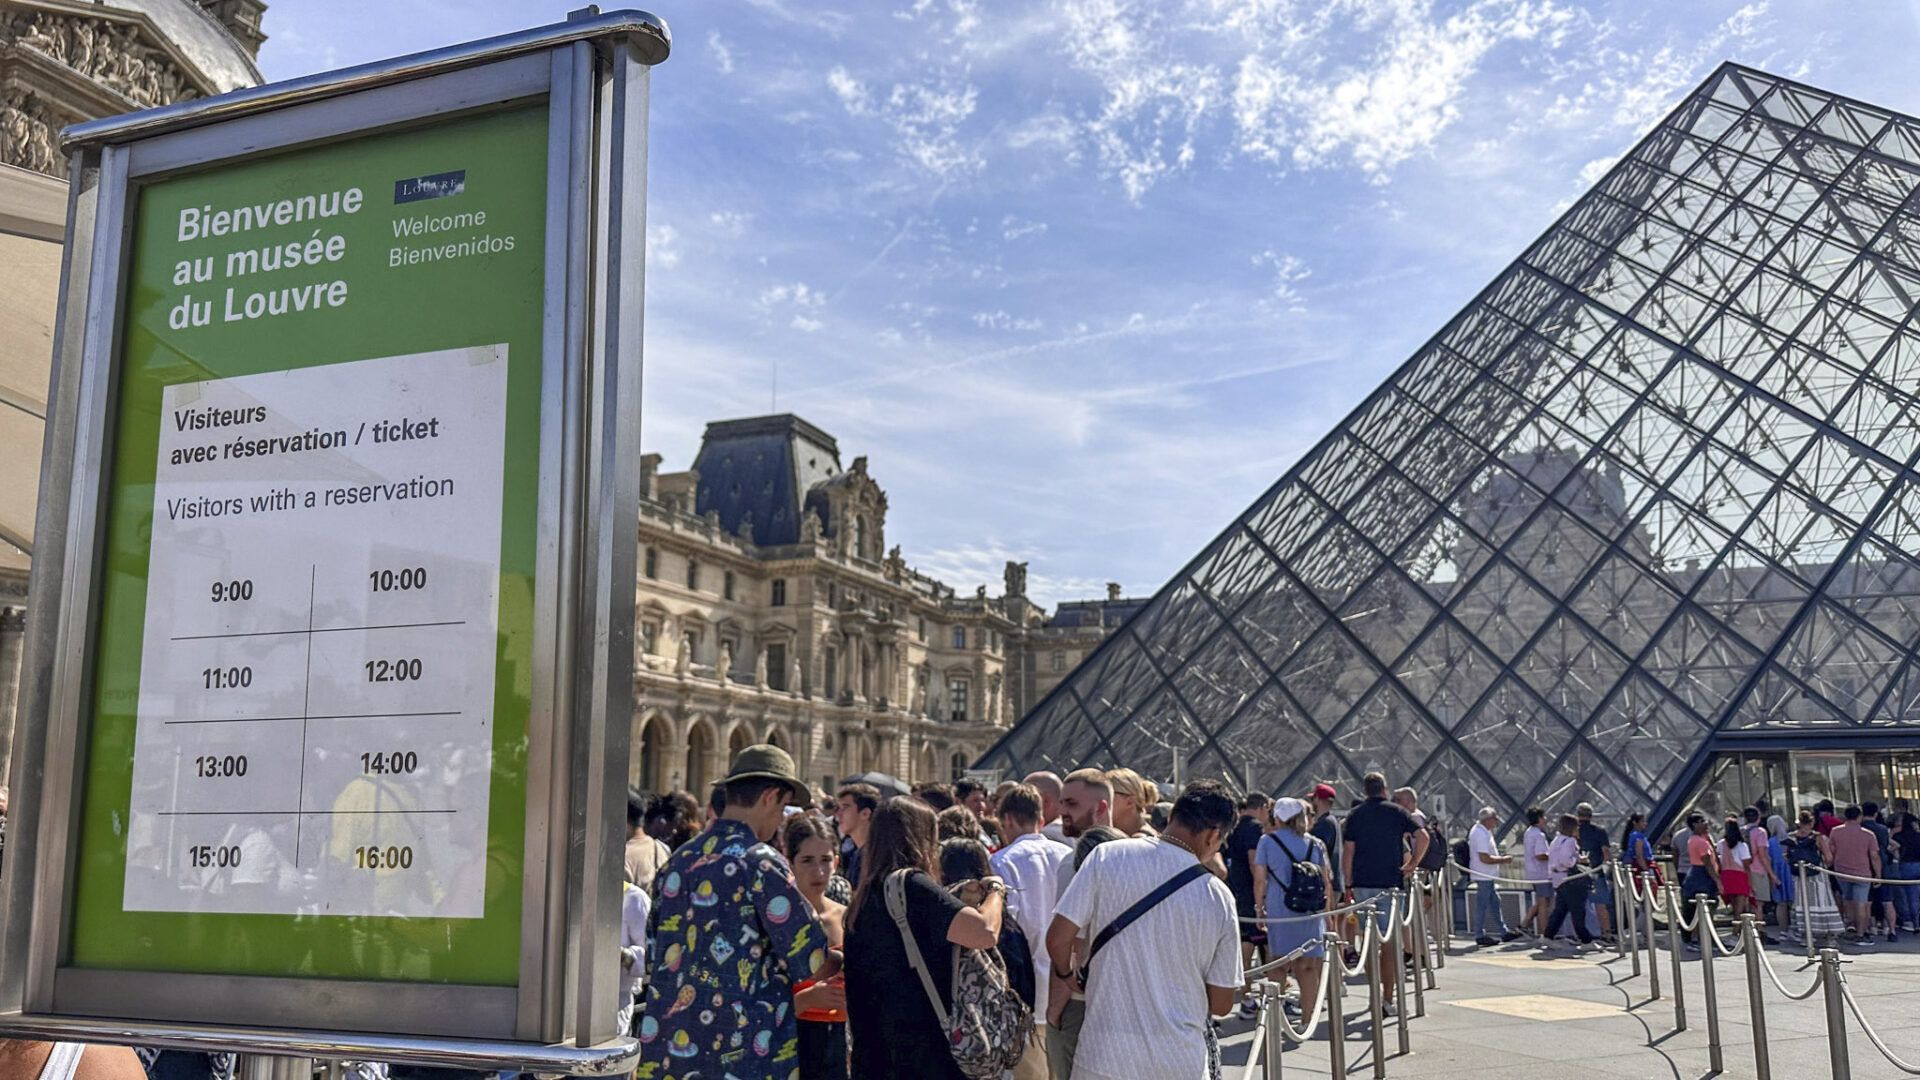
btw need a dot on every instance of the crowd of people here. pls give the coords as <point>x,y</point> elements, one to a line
<point>1048,926</point>
<point>1087,927</point>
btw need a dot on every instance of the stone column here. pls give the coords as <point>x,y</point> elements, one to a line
<point>13,640</point>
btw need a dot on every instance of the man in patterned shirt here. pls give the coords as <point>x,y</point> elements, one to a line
<point>731,935</point>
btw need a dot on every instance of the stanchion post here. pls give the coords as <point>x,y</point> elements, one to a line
<point>1376,989</point>
<point>1627,927</point>
<point>1445,880</point>
<point>1673,951</point>
<point>1400,898</point>
<point>1643,895</point>
<point>1756,1004</point>
<point>1806,910</point>
<point>1429,939</point>
<point>1276,1033</point>
<point>1336,1015</point>
<point>1836,1014</point>
<point>1420,969</point>
<point>1703,915</point>
<point>1619,932</point>
<point>271,1067</point>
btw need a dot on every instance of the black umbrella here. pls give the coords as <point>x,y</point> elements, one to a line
<point>887,783</point>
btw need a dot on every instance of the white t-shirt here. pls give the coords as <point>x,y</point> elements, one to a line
<point>1534,847</point>
<point>1147,994</point>
<point>635,906</point>
<point>1480,842</point>
<point>1030,866</point>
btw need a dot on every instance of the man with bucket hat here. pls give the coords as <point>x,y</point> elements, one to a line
<point>731,936</point>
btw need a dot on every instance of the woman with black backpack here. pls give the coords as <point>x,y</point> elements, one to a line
<point>1291,870</point>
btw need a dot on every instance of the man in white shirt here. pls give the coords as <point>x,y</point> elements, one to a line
<point>1154,985</point>
<point>1086,800</point>
<point>1534,867</point>
<point>1483,866</point>
<point>1030,865</point>
<point>1048,785</point>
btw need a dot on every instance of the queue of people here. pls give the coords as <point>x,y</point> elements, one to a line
<point>952,932</point>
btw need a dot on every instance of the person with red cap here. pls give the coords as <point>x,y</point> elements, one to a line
<point>1328,831</point>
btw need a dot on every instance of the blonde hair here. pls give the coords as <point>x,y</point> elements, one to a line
<point>1145,794</point>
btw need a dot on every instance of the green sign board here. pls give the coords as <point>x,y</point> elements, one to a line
<point>312,678</point>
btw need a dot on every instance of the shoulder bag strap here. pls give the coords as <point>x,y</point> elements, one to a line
<point>1142,906</point>
<point>896,890</point>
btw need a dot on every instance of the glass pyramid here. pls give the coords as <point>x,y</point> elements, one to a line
<point>1657,482</point>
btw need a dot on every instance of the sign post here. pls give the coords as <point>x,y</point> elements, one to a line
<point>328,674</point>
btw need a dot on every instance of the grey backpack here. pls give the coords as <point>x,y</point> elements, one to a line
<point>989,1026</point>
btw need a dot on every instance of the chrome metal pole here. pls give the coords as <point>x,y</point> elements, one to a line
<point>1645,898</point>
<point>1703,911</point>
<point>1806,910</point>
<point>1376,992</point>
<point>1673,953</point>
<point>1619,931</point>
<point>1276,1033</point>
<point>1625,925</point>
<point>1756,1004</point>
<point>1836,1015</point>
<point>1400,897</point>
<point>1420,970</point>
<point>1336,1016</point>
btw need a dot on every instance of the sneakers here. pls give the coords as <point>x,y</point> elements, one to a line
<point>1249,1009</point>
<point>1386,1008</point>
<point>1486,941</point>
<point>1511,935</point>
<point>1892,937</point>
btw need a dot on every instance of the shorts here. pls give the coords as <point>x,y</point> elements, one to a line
<point>1854,892</point>
<point>1543,890</point>
<point>1877,894</point>
<point>1602,889</point>
<point>1382,911</point>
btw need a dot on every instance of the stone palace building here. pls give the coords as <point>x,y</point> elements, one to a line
<point>771,609</point>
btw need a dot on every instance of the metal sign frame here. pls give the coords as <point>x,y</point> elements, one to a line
<point>592,73</point>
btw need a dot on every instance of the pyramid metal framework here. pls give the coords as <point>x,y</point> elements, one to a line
<point>1652,492</point>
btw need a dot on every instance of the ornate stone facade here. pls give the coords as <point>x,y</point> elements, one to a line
<point>64,61</point>
<point>767,612</point>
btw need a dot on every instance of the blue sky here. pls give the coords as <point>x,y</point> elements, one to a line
<point>1083,277</point>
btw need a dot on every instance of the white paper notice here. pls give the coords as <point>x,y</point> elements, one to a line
<point>315,723</point>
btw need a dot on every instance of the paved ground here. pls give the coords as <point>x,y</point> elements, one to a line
<point>1519,1013</point>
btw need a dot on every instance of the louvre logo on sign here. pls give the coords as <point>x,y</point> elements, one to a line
<point>437,186</point>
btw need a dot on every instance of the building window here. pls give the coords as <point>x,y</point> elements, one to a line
<point>693,574</point>
<point>726,585</point>
<point>833,673</point>
<point>922,633</point>
<point>1059,661</point>
<point>957,700</point>
<point>959,637</point>
<point>650,637</point>
<point>692,645</point>
<point>833,594</point>
<point>653,563</point>
<point>779,592</point>
<point>777,666</point>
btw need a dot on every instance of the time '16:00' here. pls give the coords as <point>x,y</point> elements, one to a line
<point>383,858</point>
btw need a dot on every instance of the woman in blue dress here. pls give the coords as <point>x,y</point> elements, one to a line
<point>1282,853</point>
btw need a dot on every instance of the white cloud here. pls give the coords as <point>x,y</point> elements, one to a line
<point>848,89</point>
<point>722,55</point>
<point>1000,320</point>
<point>924,119</point>
<point>798,294</point>
<point>661,249</point>
<point>730,223</point>
<point>1288,271</point>
<point>1014,228</point>
<point>802,323</point>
